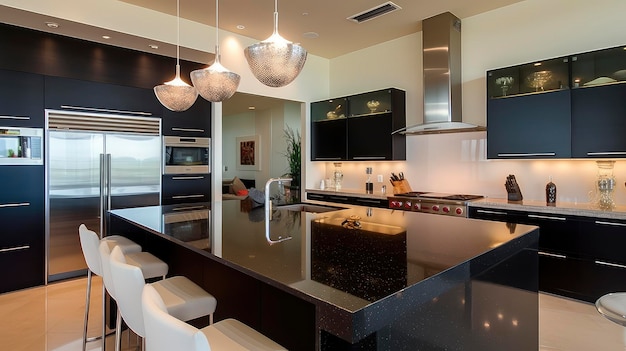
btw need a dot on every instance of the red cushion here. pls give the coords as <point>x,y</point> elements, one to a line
<point>241,192</point>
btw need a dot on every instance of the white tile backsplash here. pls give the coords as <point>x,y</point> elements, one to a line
<point>457,163</point>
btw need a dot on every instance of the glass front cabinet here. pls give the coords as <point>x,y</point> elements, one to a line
<point>359,127</point>
<point>566,107</point>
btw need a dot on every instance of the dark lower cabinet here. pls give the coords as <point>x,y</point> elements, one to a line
<point>352,200</point>
<point>580,257</point>
<point>184,188</point>
<point>22,243</point>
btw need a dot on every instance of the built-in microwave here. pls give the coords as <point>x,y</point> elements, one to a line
<point>21,146</point>
<point>185,155</point>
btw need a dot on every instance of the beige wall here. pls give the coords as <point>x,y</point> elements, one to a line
<point>526,31</point>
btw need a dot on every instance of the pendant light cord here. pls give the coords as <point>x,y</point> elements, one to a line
<point>217,31</point>
<point>275,16</point>
<point>178,37</point>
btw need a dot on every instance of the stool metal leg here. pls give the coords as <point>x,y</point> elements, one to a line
<point>118,331</point>
<point>87,302</point>
<point>104,317</point>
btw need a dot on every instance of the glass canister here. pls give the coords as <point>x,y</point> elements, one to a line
<point>605,185</point>
<point>337,175</point>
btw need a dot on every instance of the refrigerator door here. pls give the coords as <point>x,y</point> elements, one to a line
<point>73,198</point>
<point>90,173</point>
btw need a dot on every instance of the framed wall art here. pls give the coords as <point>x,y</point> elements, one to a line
<point>249,153</point>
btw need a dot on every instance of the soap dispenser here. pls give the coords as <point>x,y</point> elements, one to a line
<point>369,186</point>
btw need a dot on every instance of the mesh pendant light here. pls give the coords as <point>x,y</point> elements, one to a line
<point>176,95</point>
<point>275,61</point>
<point>215,83</point>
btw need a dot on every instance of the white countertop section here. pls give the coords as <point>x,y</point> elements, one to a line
<point>561,208</point>
<point>353,192</point>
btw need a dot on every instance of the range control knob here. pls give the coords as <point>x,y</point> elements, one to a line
<point>408,205</point>
<point>416,206</point>
<point>446,209</point>
<point>435,208</point>
<point>459,211</point>
<point>398,204</point>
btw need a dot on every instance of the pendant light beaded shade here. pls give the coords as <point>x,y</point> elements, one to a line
<point>176,95</point>
<point>215,83</point>
<point>275,61</point>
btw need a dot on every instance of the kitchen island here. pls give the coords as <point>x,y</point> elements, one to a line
<point>355,278</point>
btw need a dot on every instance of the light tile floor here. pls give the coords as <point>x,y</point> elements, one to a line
<point>50,319</point>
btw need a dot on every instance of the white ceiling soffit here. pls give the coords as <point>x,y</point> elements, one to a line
<point>374,12</point>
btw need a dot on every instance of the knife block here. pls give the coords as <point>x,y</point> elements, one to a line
<point>401,186</point>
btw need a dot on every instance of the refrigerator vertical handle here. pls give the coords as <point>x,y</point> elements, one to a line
<point>102,193</point>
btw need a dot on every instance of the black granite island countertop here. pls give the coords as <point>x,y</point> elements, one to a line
<point>378,279</point>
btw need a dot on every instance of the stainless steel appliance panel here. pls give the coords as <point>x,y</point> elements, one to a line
<point>74,187</point>
<point>185,155</point>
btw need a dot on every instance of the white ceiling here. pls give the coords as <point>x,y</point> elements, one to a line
<point>327,18</point>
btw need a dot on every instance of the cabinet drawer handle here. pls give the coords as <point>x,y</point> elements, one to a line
<point>339,198</point>
<point>315,196</point>
<point>551,254</point>
<point>186,196</point>
<point>368,201</point>
<point>187,178</point>
<point>547,217</point>
<point>188,130</point>
<point>17,248</point>
<point>15,205</point>
<point>94,109</point>
<point>610,264</point>
<point>327,158</point>
<point>368,158</point>
<point>612,223</point>
<point>528,155</point>
<point>608,153</point>
<point>15,117</point>
<point>188,208</point>
<point>492,212</point>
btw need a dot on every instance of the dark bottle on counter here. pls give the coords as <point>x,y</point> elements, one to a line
<point>550,193</point>
<point>369,186</point>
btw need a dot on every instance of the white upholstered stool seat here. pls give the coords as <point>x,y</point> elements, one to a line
<point>89,242</point>
<point>184,298</point>
<point>165,333</point>
<point>150,265</point>
<point>613,307</point>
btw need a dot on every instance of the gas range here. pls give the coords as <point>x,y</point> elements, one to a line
<point>436,203</point>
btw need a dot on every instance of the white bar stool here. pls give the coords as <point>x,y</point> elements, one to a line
<point>166,333</point>
<point>183,299</point>
<point>149,265</point>
<point>89,243</point>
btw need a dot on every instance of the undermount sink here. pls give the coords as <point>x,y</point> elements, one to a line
<point>302,207</point>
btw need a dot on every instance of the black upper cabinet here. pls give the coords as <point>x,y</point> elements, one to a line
<point>21,99</point>
<point>195,122</point>
<point>599,104</point>
<point>528,111</point>
<point>571,107</point>
<point>329,130</point>
<point>530,126</point>
<point>373,117</point>
<point>66,93</point>
<point>359,127</point>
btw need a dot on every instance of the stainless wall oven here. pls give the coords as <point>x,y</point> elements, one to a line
<point>186,155</point>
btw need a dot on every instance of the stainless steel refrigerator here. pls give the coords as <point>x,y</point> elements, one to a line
<point>95,163</point>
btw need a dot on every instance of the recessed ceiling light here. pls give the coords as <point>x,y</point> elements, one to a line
<point>106,37</point>
<point>241,26</point>
<point>251,108</point>
<point>52,25</point>
<point>153,46</point>
<point>311,35</point>
<point>305,13</point>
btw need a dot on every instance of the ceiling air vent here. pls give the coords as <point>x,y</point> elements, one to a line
<point>374,12</point>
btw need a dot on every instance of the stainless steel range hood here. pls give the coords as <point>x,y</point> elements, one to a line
<point>441,55</point>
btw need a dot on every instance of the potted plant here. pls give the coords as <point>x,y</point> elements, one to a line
<point>293,154</point>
